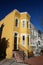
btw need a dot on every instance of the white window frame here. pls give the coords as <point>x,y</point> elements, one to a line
<point>18,21</point>
<point>22,23</point>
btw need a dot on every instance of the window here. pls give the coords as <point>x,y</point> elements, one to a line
<point>32,31</point>
<point>39,42</point>
<point>35,33</point>
<point>28,25</point>
<point>15,41</point>
<point>16,22</point>
<point>23,39</point>
<point>15,34</point>
<point>23,23</point>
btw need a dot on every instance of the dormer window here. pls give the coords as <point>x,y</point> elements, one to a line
<point>16,22</point>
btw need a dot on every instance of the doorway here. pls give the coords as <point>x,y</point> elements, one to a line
<point>15,41</point>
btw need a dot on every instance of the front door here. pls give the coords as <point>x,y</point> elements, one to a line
<point>15,41</point>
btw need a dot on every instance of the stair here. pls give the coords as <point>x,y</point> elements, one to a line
<point>19,56</point>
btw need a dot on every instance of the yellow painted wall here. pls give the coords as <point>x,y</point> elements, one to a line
<point>8,22</point>
<point>9,29</point>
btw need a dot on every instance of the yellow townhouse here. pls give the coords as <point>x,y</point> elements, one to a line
<point>17,31</point>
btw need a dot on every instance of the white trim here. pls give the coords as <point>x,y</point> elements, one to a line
<point>28,21</point>
<point>20,34</point>
<point>22,12</point>
<point>23,20</point>
<point>25,23</point>
<point>22,23</point>
<point>25,38</point>
<point>18,21</point>
<point>24,34</point>
<point>25,13</point>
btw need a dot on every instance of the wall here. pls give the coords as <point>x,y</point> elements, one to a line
<point>10,29</point>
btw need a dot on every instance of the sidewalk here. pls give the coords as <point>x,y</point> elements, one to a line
<point>38,60</point>
<point>10,62</point>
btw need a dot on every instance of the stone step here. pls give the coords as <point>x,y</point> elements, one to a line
<point>19,56</point>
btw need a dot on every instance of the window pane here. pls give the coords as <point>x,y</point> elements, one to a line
<point>23,40</point>
<point>16,23</point>
<point>15,34</point>
<point>23,37</point>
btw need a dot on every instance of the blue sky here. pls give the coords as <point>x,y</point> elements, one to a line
<point>33,7</point>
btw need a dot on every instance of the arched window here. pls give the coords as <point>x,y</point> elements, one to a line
<point>16,22</point>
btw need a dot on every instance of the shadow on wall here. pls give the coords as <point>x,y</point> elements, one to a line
<point>3,44</point>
